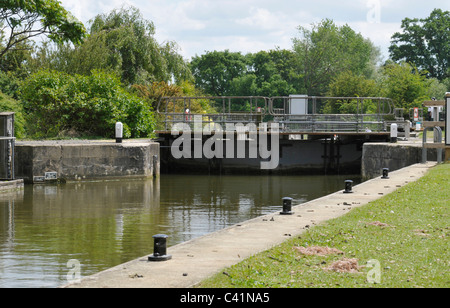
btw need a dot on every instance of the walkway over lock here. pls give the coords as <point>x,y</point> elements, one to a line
<point>294,114</point>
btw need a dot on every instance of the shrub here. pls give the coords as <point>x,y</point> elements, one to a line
<point>8,104</point>
<point>56,102</point>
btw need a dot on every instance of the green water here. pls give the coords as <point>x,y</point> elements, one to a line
<point>103,224</point>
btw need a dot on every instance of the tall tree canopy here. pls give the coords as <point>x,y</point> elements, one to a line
<point>215,71</point>
<point>405,84</point>
<point>328,50</point>
<point>425,43</point>
<point>21,20</point>
<point>265,73</point>
<point>122,42</point>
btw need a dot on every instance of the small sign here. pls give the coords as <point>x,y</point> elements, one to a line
<point>416,114</point>
<point>51,176</point>
<point>38,179</point>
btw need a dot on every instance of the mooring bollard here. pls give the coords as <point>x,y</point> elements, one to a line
<point>385,173</point>
<point>119,132</point>
<point>348,187</point>
<point>287,206</point>
<point>394,133</point>
<point>160,248</point>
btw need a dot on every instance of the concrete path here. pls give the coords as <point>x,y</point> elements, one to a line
<point>197,259</point>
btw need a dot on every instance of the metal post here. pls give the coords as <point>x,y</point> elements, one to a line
<point>447,119</point>
<point>424,141</point>
<point>287,206</point>
<point>385,173</point>
<point>348,187</point>
<point>438,139</point>
<point>160,248</point>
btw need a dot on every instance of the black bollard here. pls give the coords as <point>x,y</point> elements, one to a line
<point>287,206</point>
<point>160,248</point>
<point>385,173</point>
<point>348,187</point>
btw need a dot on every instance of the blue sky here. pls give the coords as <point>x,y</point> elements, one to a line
<point>253,25</point>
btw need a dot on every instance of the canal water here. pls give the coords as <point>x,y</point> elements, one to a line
<point>103,224</point>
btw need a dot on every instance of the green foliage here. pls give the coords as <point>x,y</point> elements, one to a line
<point>405,85</point>
<point>437,89</point>
<point>426,43</point>
<point>16,59</point>
<point>328,50</point>
<point>121,42</point>
<point>8,104</point>
<point>347,84</point>
<point>215,71</point>
<point>27,19</point>
<point>56,102</point>
<point>154,92</point>
<point>9,83</point>
<point>266,73</point>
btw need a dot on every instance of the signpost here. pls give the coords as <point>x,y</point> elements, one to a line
<point>416,114</point>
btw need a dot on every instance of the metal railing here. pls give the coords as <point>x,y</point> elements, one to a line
<point>363,114</point>
<point>212,110</point>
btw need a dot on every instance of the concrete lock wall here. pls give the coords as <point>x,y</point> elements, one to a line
<point>74,161</point>
<point>394,156</point>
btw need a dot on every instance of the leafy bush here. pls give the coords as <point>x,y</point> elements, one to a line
<point>9,84</point>
<point>56,102</point>
<point>8,104</point>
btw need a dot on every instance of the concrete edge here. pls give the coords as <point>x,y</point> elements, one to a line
<point>6,186</point>
<point>199,258</point>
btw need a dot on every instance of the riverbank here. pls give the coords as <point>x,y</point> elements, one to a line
<point>400,240</point>
<point>200,258</point>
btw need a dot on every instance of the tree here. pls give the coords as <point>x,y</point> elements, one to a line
<point>327,50</point>
<point>265,73</point>
<point>347,84</point>
<point>21,20</point>
<point>274,72</point>
<point>121,42</point>
<point>214,71</point>
<point>437,89</point>
<point>426,43</point>
<point>404,84</point>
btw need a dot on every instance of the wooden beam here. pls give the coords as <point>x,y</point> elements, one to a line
<point>434,145</point>
<point>433,103</point>
<point>433,124</point>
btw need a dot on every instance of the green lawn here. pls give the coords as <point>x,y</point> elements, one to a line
<point>400,240</point>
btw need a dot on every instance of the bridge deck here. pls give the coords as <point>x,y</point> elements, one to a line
<point>168,132</point>
<point>292,115</point>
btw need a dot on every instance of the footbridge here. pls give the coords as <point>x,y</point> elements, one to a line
<point>313,133</point>
<point>295,115</point>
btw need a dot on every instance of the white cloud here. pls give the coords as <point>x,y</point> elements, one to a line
<point>253,25</point>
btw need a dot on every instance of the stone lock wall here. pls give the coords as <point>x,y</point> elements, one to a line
<point>89,160</point>
<point>394,156</point>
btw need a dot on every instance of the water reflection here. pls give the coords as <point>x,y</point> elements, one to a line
<point>103,224</point>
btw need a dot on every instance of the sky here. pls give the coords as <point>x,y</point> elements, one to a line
<point>198,26</point>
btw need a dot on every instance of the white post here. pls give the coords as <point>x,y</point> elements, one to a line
<point>119,132</point>
<point>394,132</point>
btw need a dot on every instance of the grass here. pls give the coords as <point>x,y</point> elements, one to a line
<point>409,243</point>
